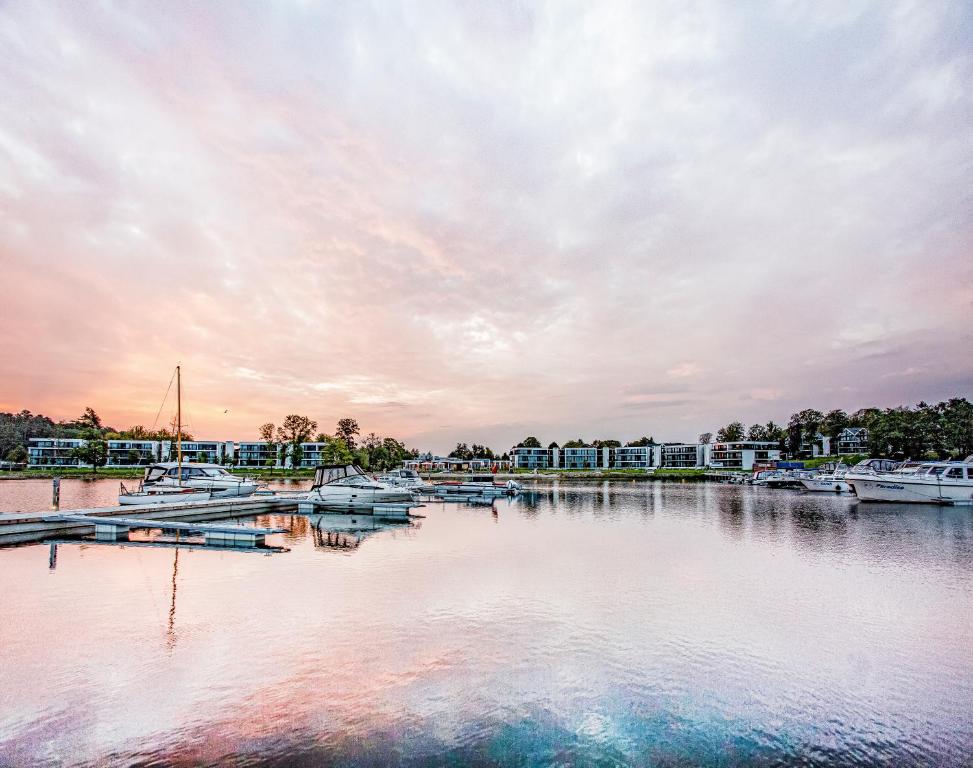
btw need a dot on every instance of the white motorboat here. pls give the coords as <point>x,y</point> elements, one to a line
<point>402,478</point>
<point>482,485</point>
<point>830,479</point>
<point>833,483</point>
<point>936,482</point>
<point>161,496</point>
<point>211,478</point>
<point>347,484</point>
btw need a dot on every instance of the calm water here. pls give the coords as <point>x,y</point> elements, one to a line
<point>613,624</point>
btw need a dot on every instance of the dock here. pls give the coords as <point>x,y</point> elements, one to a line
<point>113,528</point>
<point>28,527</point>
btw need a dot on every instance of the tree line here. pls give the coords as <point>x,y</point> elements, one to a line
<point>345,446</point>
<point>922,431</point>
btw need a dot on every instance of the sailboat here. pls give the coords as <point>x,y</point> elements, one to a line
<point>173,482</point>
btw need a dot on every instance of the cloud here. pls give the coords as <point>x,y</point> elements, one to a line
<point>520,218</point>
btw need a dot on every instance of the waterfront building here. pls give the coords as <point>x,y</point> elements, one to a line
<point>681,455</point>
<point>742,454</point>
<point>206,451</point>
<point>53,451</point>
<point>852,440</point>
<point>634,457</point>
<point>257,455</point>
<point>134,452</point>
<point>311,455</point>
<point>533,458</point>
<point>587,457</point>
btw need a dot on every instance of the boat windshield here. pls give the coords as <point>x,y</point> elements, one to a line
<point>409,473</point>
<point>344,473</point>
<point>154,473</point>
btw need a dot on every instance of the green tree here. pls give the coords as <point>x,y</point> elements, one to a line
<point>530,442</point>
<point>134,457</point>
<point>803,428</point>
<point>732,432</point>
<point>956,416</point>
<point>833,424</point>
<point>644,442</point>
<point>461,451</point>
<point>756,432</point>
<point>93,452</point>
<point>17,455</point>
<point>294,430</point>
<point>347,430</point>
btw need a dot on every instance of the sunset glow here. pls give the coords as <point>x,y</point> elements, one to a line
<point>476,222</point>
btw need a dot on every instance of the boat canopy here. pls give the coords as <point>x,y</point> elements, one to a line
<point>334,473</point>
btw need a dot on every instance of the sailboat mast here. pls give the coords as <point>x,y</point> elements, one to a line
<point>179,421</point>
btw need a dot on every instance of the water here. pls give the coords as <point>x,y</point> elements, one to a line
<point>601,624</point>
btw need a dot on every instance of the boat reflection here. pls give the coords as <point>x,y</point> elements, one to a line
<point>346,533</point>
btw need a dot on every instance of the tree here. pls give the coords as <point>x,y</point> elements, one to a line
<point>89,419</point>
<point>755,433</point>
<point>296,429</point>
<point>336,452</point>
<point>461,452</point>
<point>17,455</point>
<point>642,442</point>
<point>606,443</point>
<point>706,438</point>
<point>956,416</point>
<point>530,442</point>
<point>578,442</point>
<point>803,428</point>
<point>347,430</point>
<point>134,457</point>
<point>552,446</point>
<point>732,432</point>
<point>94,451</point>
<point>834,423</point>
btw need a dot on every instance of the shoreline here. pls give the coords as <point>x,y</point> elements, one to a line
<point>125,473</point>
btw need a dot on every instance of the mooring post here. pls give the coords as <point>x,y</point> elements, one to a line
<point>52,558</point>
<point>56,498</point>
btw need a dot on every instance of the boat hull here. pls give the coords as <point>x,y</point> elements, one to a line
<point>127,499</point>
<point>339,495</point>
<point>890,489</point>
<point>822,485</point>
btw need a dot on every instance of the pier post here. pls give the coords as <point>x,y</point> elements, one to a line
<point>56,494</point>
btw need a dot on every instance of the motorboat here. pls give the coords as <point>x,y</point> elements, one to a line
<point>347,484</point>
<point>161,496</point>
<point>935,482</point>
<point>212,478</point>
<point>825,481</point>
<point>402,478</point>
<point>482,485</point>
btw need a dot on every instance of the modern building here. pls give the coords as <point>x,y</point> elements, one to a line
<point>310,455</point>
<point>256,455</point>
<point>852,440</point>
<point>587,457</point>
<point>681,455</point>
<point>634,457</point>
<point>741,454</point>
<point>134,452</point>
<point>206,451</point>
<point>53,451</point>
<point>533,458</point>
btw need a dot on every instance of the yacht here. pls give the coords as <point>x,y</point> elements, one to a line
<point>402,478</point>
<point>343,484</point>
<point>935,482</point>
<point>172,476</point>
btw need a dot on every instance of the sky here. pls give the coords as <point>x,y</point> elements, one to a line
<point>478,221</point>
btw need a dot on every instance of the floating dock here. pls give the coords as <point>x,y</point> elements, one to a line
<point>27,527</point>
<point>115,528</point>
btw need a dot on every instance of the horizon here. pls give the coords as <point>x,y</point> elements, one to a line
<point>476,224</point>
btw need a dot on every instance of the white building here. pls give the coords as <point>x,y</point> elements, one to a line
<point>741,454</point>
<point>681,455</point>
<point>134,452</point>
<point>533,458</point>
<point>53,451</point>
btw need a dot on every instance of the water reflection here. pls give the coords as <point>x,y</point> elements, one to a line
<point>604,624</point>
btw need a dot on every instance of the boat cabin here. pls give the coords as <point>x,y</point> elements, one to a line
<point>188,471</point>
<point>330,474</point>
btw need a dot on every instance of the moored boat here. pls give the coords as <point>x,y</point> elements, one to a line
<point>347,484</point>
<point>936,482</point>
<point>211,478</point>
<point>167,496</point>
